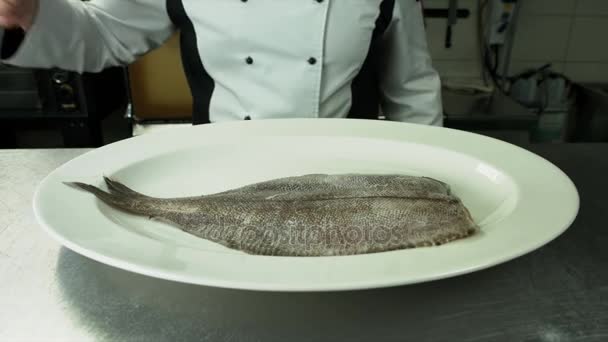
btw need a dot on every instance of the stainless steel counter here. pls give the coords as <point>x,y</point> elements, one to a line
<point>557,293</point>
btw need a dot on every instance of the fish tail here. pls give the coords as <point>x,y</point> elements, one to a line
<point>121,199</point>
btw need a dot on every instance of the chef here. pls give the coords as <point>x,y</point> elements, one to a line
<point>247,59</point>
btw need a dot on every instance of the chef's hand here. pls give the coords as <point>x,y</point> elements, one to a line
<point>17,13</point>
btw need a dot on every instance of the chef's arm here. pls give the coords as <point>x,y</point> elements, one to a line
<point>87,36</point>
<point>410,86</point>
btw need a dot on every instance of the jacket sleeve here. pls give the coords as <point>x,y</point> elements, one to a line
<point>88,36</point>
<point>410,86</point>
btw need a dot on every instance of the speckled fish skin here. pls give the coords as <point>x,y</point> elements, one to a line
<point>311,215</point>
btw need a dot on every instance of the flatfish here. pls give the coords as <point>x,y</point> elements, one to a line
<point>310,215</point>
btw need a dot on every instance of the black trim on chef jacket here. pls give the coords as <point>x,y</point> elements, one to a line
<point>366,85</point>
<point>11,41</point>
<point>201,83</point>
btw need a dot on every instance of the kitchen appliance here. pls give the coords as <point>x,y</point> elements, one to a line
<point>74,103</point>
<point>588,121</point>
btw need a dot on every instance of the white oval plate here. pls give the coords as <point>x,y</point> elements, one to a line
<point>520,200</point>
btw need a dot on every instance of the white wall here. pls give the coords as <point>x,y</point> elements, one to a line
<point>571,34</point>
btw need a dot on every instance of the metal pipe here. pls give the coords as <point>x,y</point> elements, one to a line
<point>508,51</point>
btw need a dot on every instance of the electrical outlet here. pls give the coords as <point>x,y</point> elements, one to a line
<point>500,17</point>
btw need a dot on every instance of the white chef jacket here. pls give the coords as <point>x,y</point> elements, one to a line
<point>253,59</point>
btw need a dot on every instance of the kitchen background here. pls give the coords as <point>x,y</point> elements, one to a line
<point>554,53</point>
<point>569,34</point>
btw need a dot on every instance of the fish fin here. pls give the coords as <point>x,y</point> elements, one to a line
<point>87,187</point>
<point>119,188</point>
<point>104,196</point>
<point>133,204</point>
<point>445,185</point>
